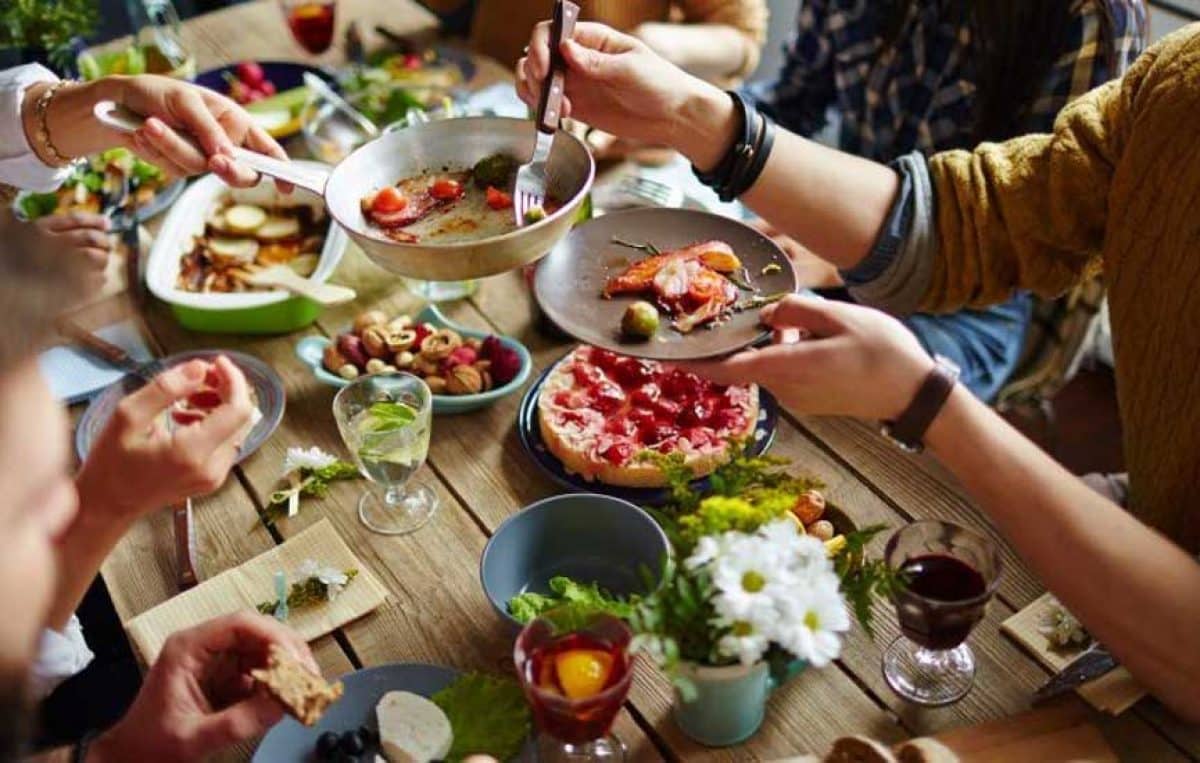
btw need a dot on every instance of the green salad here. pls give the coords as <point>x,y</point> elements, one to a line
<point>85,188</point>
<point>565,592</point>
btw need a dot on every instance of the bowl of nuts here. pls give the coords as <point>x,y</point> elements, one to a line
<point>465,369</point>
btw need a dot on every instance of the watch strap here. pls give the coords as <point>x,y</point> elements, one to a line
<point>908,429</point>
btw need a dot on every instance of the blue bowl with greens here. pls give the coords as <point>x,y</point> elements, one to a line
<point>576,548</point>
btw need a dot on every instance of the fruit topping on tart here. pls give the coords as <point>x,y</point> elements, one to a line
<point>599,411</point>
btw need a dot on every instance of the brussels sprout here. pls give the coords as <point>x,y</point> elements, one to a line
<point>494,170</point>
<point>640,320</point>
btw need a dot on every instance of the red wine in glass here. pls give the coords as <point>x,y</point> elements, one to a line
<point>311,23</point>
<point>950,573</point>
<point>576,681</point>
<point>934,579</point>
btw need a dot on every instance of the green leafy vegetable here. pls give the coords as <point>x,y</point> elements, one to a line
<point>487,714</point>
<point>35,205</point>
<point>565,591</point>
<point>865,581</point>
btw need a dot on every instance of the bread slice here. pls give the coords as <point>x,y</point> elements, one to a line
<point>412,729</point>
<point>304,694</point>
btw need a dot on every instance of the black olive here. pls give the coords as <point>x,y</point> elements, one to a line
<point>368,734</point>
<point>352,743</point>
<point>327,745</point>
<point>346,757</point>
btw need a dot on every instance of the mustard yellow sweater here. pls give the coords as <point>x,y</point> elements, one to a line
<point>1116,187</point>
<point>500,28</point>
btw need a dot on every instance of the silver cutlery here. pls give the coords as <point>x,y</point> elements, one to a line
<point>318,86</point>
<point>530,192</point>
<point>1091,664</point>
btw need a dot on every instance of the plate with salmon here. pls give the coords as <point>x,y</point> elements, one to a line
<point>663,284</point>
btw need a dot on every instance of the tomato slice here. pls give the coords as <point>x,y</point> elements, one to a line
<point>388,200</point>
<point>446,189</point>
<point>497,199</point>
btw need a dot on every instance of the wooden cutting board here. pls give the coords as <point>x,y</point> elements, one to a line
<point>1059,732</point>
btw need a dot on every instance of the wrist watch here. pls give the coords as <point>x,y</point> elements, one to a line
<point>908,429</point>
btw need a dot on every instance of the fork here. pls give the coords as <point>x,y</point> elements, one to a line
<point>656,192</point>
<point>530,191</point>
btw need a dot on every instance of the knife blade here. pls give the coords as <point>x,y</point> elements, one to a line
<point>1093,663</point>
<point>185,545</point>
<point>107,351</point>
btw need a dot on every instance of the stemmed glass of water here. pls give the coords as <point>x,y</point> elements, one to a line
<point>385,421</point>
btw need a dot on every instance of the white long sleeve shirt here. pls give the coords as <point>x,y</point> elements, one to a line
<point>19,165</point>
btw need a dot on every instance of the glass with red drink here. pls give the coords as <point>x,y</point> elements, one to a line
<point>950,573</point>
<point>576,672</point>
<point>311,22</point>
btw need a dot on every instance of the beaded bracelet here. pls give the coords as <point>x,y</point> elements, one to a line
<point>43,130</point>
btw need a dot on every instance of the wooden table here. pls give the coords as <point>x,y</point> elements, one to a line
<point>437,611</point>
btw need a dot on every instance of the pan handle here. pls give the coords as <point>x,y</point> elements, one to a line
<point>121,119</point>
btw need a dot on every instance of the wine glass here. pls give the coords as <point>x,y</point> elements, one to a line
<point>951,573</point>
<point>385,420</point>
<point>576,670</point>
<point>311,22</point>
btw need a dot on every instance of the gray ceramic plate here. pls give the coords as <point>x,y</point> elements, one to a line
<point>570,279</point>
<point>290,742</point>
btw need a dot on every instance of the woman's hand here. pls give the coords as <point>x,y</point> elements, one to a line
<point>172,108</point>
<point>616,83</point>
<point>140,464</point>
<point>84,235</point>
<point>831,358</point>
<point>198,697</point>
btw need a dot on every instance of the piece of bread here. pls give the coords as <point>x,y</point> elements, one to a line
<point>304,694</point>
<point>859,749</point>
<point>412,729</point>
<point>924,750</point>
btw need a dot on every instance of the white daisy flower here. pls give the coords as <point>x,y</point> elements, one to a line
<point>743,642</point>
<point>707,549</point>
<point>748,578</point>
<point>306,458</point>
<point>812,618</point>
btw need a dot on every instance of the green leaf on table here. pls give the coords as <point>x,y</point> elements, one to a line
<point>487,714</point>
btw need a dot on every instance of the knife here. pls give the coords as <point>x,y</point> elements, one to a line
<point>1093,663</point>
<point>185,545</point>
<point>107,351</point>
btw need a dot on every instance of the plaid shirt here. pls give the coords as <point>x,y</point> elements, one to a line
<point>920,96</point>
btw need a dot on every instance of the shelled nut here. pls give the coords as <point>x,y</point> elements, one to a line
<point>400,323</point>
<point>375,342</point>
<point>348,372</point>
<point>331,359</point>
<point>375,366</point>
<point>399,340</point>
<point>404,359</point>
<point>440,344</point>
<point>436,384</point>
<point>463,380</point>
<point>368,319</point>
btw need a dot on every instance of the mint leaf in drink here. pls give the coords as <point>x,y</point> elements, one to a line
<point>388,415</point>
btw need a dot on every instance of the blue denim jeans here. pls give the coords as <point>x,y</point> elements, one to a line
<point>986,344</point>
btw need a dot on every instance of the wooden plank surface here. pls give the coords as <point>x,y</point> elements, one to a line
<point>438,613</point>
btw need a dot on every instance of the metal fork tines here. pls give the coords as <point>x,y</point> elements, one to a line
<point>530,191</point>
<point>656,192</point>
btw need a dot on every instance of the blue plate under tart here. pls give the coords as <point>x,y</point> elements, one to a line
<point>531,440</point>
<point>265,384</point>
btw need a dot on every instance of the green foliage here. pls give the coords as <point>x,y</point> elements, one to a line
<point>488,715</point>
<point>304,593</point>
<point>719,514</point>
<point>676,623</point>
<point>313,483</point>
<point>587,597</point>
<point>47,24</point>
<point>864,580</point>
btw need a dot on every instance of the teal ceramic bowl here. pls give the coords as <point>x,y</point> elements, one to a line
<point>588,537</point>
<point>311,348</point>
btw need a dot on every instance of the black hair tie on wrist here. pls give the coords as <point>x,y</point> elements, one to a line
<point>743,162</point>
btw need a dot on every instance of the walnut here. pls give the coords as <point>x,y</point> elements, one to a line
<point>463,380</point>
<point>400,340</point>
<point>375,342</point>
<point>370,318</point>
<point>331,359</point>
<point>439,344</point>
<point>437,385</point>
<point>399,324</point>
<point>810,506</point>
<point>423,366</point>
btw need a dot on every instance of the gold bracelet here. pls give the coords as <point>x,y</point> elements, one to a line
<point>43,130</point>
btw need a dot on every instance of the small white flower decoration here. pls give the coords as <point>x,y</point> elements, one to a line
<point>333,579</point>
<point>813,618</point>
<point>745,642</point>
<point>306,458</point>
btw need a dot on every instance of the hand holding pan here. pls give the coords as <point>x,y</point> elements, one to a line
<point>416,150</point>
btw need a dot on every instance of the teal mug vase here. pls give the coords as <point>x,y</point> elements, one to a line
<point>730,701</point>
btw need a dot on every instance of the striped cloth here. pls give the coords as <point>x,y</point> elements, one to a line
<point>919,95</point>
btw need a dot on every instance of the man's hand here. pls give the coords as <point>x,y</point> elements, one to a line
<point>616,83</point>
<point>139,463</point>
<point>832,358</point>
<point>199,698</point>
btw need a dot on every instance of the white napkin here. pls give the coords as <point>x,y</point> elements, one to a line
<point>74,375</point>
